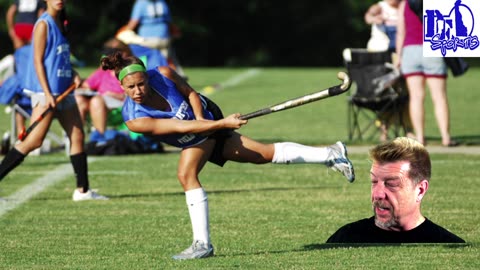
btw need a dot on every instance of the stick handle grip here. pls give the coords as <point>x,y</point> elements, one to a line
<point>66,93</point>
<point>255,114</point>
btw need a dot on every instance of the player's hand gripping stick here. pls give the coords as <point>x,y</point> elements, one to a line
<point>59,99</point>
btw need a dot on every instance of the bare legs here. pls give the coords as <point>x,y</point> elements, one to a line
<point>438,92</point>
<point>96,107</point>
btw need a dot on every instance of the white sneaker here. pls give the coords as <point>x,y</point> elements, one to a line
<point>89,195</point>
<point>197,250</point>
<point>338,161</point>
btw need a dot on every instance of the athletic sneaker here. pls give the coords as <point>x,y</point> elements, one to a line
<point>338,161</point>
<point>89,195</point>
<point>197,250</point>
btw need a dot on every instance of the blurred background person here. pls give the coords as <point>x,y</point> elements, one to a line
<point>152,21</point>
<point>21,17</point>
<point>101,92</point>
<point>383,17</point>
<point>420,71</point>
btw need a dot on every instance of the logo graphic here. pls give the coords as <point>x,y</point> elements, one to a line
<point>450,28</point>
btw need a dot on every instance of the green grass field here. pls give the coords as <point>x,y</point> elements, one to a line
<point>262,217</point>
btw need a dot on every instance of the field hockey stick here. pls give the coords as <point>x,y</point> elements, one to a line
<point>292,103</point>
<point>59,99</point>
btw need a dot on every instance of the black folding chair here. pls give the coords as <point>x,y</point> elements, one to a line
<point>378,96</point>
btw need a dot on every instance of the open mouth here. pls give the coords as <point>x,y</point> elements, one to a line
<point>381,208</point>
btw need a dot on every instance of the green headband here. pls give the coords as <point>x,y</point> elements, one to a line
<point>129,69</point>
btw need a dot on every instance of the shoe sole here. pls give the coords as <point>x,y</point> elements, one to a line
<point>203,256</point>
<point>350,165</point>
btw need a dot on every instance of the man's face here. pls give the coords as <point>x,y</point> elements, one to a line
<point>395,199</point>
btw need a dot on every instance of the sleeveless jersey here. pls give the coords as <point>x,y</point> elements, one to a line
<point>180,109</point>
<point>56,60</point>
<point>413,27</point>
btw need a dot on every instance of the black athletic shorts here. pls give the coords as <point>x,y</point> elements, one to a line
<point>220,136</point>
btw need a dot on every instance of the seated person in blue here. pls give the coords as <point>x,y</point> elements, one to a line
<point>11,89</point>
<point>400,176</point>
<point>160,103</point>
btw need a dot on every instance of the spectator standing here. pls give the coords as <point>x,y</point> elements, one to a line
<point>21,17</point>
<point>420,71</point>
<point>153,21</point>
<point>383,17</point>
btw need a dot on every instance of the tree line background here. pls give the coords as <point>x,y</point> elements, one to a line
<point>228,32</point>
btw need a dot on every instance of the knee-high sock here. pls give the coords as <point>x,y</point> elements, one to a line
<point>197,203</point>
<point>291,153</point>
<point>10,162</point>
<point>80,168</point>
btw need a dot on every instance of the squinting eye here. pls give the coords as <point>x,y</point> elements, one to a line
<point>392,183</point>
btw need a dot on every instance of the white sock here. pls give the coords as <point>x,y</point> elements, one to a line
<point>291,153</point>
<point>197,203</point>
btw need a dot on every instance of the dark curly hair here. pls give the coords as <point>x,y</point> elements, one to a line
<point>117,62</point>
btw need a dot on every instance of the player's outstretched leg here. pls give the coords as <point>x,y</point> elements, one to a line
<point>333,156</point>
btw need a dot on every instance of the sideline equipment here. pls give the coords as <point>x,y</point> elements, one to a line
<point>59,99</point>
<point>292,103</point>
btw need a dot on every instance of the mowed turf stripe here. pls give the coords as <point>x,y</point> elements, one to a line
<point>40,184</point>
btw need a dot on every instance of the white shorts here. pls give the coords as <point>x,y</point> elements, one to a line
<point>415,64</point>
<point>67,103</point>
<point>112,103</point>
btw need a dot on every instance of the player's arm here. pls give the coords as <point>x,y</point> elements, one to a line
<point>186,90</point>
<point>134,21</point>
<point>374,15</point>
<point>152,126</point>
<point>39,37</point>
<point>10,16</point>
<point>131,25</point>
<point>400,38</point>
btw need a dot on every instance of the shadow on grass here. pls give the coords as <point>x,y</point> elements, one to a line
<point>326,246</point>
<point>366,245</point>
<point>281,189</point>
<point>461,139</point>
<point>181,193</point>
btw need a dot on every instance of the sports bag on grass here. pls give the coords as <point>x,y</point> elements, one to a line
<point>457,65</point>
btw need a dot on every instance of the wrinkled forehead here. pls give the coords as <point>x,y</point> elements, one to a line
<point>384,169</point>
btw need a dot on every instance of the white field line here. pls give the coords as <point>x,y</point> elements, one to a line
<point>232,81</point>
<point>40,184</point>
<point>240,77</point>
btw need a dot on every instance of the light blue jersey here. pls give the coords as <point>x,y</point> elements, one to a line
<point>179,109</point>
<point>56,61</point>
<point>154,17</point>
